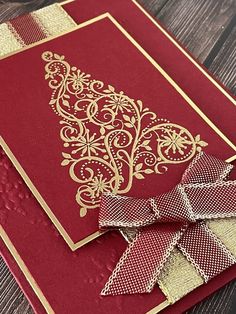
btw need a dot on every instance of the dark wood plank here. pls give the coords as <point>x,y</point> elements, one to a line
<point>153,6</point>
<point>12,299</point>
<point>198,24</point>
<point>11,9</point>
<point>224,64</point>
<point>222,302</point>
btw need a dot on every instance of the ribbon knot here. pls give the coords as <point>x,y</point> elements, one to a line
<point>174,219</point>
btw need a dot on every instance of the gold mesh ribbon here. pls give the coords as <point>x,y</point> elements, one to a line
<point>31,28</point>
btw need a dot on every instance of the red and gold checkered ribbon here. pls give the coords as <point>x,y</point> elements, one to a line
<point>177,218</point>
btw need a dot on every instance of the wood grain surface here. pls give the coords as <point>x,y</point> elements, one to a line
<point>208,29</point>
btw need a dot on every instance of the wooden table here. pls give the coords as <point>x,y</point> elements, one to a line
<point>208,29</point>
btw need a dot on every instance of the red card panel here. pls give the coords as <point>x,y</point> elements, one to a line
<point>31,130</point>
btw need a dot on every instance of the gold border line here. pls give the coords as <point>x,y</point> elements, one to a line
<point>40,199</point>
<point>231,159</point>
<point>200,68</point>
<point>214,82</point>
<point>65,2</point>
<point>159,307</point>
<point>25,271</point>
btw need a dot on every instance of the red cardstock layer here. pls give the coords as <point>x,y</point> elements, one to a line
<point>131,17</point>
<point>83,116</point>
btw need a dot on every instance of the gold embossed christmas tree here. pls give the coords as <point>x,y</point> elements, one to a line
<point>110,139</point>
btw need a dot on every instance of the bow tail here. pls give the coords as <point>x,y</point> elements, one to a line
<point>139,267</point>
<point>205,251</point>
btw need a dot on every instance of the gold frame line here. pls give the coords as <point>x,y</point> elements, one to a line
<point>159,307</point>
<point>231,159</point>
<point>65,2</point>
<point>44,205</point>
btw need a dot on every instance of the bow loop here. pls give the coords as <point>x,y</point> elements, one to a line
<point>173,206</point>
<point>122,211</point>
<point>172,219</point>
<point>205,169</point>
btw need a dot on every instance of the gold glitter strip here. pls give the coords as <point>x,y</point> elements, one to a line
<point>225,230</point>
<point>53,20</point>
<point>179,277</point>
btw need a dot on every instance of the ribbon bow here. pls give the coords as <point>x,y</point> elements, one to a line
<point>177,218</point>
